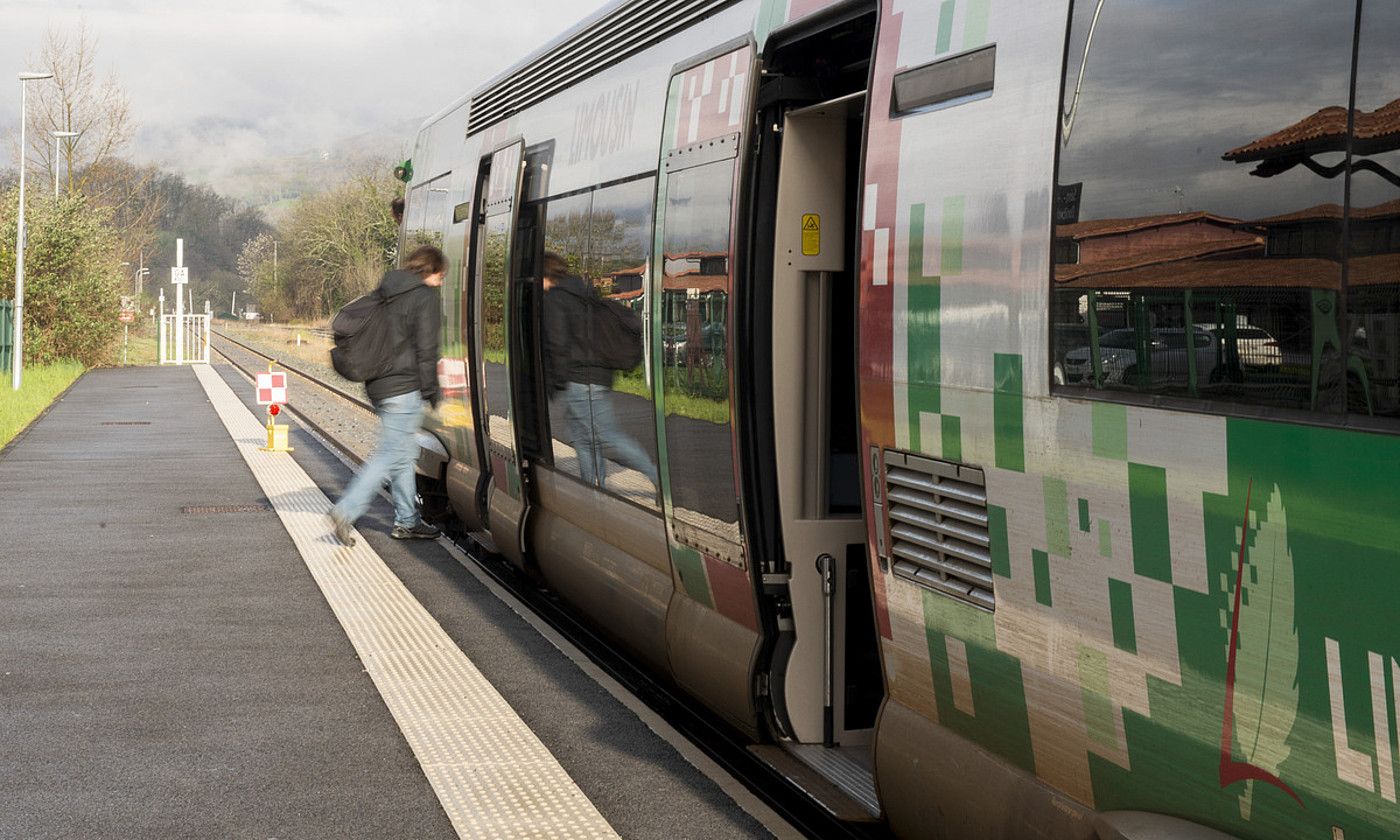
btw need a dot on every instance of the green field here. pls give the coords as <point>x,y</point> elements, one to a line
<point>42,384</point>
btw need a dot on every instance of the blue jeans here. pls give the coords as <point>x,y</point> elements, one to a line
<point>594,433</point>
<point>400,417</point>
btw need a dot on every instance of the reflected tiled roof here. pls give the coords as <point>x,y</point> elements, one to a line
<point>1110,227</point>
<point>1163,254</point>
<point>1333,212</point>
<point>624,272</point>
<point>1265,272</point>
<point>1325,131</point>
<point>695,280</point>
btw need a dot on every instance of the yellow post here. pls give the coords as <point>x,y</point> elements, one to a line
<point>276,433</point>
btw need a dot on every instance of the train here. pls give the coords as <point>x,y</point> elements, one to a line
<point>1013,450</point>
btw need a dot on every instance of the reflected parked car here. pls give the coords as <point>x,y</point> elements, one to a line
<point>1118,358</point>
<point>1257,348</point>
<point>673,345</point>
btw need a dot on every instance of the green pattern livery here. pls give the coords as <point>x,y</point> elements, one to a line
<point>925,363</point>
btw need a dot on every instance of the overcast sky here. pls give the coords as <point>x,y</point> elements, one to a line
<point>216,82</point>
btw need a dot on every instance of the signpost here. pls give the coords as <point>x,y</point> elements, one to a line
<point>272,392</point>
<point>179,275</point>
<point>127,316</point>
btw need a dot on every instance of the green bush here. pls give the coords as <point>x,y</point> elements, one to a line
<point>72,278</point>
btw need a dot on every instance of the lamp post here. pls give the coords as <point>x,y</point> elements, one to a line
<point>57,136</point>
<point>141,270</point>
<point>18,376</point>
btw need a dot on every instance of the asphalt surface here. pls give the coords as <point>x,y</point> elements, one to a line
<point>168,674</point>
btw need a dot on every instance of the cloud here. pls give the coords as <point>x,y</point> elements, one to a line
<point>216,85</point>
<point>1171,86</point>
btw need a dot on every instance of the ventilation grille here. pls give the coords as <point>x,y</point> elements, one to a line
<point>938,527</point>
<point>600,43</point>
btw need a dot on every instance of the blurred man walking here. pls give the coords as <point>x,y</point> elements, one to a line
<point>411,299</point>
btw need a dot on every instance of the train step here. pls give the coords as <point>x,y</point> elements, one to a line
<point>830,796</point>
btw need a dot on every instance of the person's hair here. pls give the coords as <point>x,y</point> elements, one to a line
<point>426,261</point>
<point>396,208</point>
<point>554,266</point>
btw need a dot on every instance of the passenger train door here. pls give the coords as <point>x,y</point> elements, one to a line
<point>712,624</point>
<point>823,665</point>
<point>506,496</point>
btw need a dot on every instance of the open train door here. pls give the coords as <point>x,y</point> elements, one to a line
<point>824,677</point>
<point>506,496</point>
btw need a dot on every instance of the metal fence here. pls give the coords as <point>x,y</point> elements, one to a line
<point>7,334</point>
<point>184,339</point>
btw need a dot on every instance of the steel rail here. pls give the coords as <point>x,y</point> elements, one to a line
<point>321,431</point>
<point>719,741</point>
<point>359,401</point>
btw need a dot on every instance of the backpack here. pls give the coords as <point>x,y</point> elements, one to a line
<point>365,340</point>
<point>614,334</point>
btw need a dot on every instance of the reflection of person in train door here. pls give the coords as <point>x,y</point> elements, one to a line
<point>575,376</point>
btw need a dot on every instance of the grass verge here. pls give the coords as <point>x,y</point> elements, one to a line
<point>42,383</point>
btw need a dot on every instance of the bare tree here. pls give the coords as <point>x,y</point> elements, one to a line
<point>76,100</point>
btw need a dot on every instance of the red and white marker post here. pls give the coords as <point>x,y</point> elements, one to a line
<point>272,392</point>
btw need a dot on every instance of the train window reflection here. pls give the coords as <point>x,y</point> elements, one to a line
<point>1188,215</point>
<point>695,357</point>
<point>426,213</point>
<point>1373,262</point>
<point>494,271</point>
<point>596,250</point>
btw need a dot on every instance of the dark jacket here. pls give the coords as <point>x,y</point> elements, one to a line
<point>566,341</point>
<point>417,312</point>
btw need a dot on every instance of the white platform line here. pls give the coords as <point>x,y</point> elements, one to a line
<point>492,775</point>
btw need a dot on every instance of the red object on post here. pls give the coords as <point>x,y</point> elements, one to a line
<point>274,409</point>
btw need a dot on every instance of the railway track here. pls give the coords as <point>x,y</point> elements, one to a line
<point>330,437</point>
<point>720,742</point>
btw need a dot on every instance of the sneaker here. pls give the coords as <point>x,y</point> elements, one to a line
<point>344,531</point>
<point>421,531</point>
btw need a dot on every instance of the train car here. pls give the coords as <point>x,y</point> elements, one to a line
<point>1014,443</point>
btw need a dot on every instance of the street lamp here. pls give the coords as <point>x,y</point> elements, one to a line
<point>59,135</point>
<point>20,232</point>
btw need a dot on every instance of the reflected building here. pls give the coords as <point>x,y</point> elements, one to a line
<point>1295,309</point>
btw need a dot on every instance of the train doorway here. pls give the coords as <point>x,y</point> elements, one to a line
<point>824,676</point>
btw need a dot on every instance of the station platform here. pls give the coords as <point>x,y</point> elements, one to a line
<point>185,651</point>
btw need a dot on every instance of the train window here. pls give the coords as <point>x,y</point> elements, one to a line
<point>602,423</point>
<point>1373,262</point>
<point>413,213</point>
<point>436,212</point>
<point>624,419</point>
<point>494,277</point>
<point>425,216</point>
<point>694,346</point>
<point>1197,239</point>
<point>565,223</point>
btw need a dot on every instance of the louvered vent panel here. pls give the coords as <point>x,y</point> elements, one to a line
<point>938,527</point>
<point>617,35</point>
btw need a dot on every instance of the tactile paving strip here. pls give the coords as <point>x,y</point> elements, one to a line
<point>492,775</point>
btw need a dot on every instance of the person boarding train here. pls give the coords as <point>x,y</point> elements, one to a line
<point>411,301</point>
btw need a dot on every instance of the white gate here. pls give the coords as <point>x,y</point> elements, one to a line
<point>184,339</point>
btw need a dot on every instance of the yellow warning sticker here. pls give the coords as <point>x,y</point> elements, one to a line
<point>811,234</point>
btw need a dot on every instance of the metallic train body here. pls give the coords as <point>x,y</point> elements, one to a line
<point>1059,606</point>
